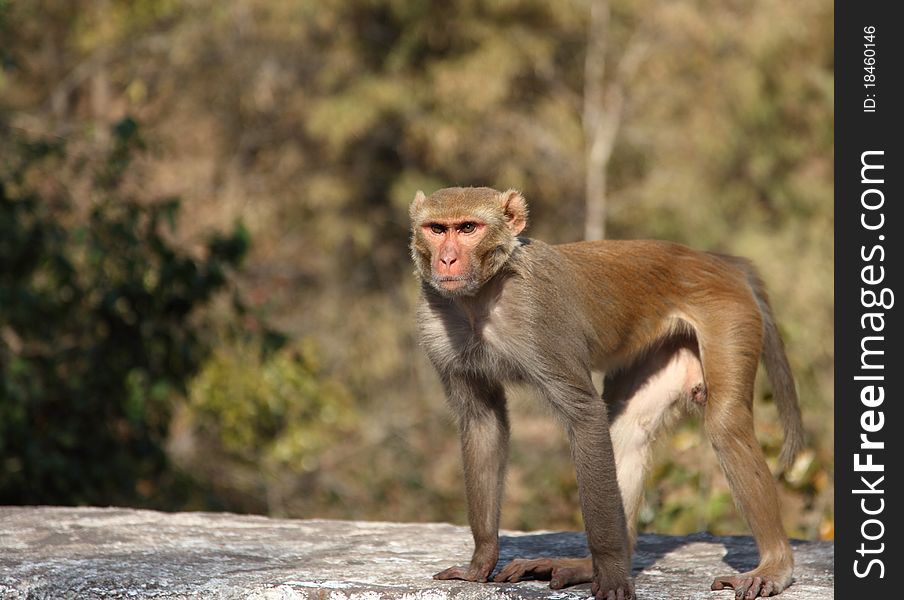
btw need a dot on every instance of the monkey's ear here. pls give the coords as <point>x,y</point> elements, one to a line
<point>416,204</point>
<point>515,209</point>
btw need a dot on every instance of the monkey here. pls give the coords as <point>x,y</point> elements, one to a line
<point>670,328</point>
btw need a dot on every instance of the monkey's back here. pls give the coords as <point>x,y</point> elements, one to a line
<point>641,290</point>
<point>655,269</point>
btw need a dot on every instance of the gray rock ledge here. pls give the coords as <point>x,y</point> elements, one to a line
<point>90,553</point>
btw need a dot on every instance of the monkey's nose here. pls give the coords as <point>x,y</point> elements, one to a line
<point>447,260</point>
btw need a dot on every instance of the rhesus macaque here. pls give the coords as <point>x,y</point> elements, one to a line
<point>671,328</point>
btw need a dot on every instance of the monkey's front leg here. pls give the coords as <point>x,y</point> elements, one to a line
<point>483,421</point>
<point>601,501</point>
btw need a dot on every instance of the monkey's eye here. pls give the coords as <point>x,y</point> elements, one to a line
<point>437,228</point>
<point>467,227</point>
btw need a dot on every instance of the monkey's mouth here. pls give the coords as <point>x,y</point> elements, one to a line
<point>451,282</point>
<point>444,279</point>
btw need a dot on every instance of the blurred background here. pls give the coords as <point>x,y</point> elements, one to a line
<point>206,299</point>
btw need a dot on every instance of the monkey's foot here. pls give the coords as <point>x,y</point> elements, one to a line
<point>560,572</point>
<point>753,584</point>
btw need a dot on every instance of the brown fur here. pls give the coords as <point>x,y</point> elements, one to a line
<point>672,329</point>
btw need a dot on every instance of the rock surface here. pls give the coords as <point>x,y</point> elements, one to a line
<point>122,553</point>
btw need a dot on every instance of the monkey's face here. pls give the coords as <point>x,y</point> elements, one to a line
<point>453,258</point>
<point>462,236</point>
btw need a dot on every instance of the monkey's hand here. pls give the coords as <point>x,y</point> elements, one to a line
<point>611,582</point>
<point>482,564</point>
<point>479,573</point>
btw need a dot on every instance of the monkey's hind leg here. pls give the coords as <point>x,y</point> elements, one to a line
<point>642,401</point>
<point>728,421</point>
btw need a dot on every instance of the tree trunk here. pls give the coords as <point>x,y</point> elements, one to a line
<point>602,114</point>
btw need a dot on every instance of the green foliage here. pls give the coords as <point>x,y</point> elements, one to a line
<point>99,327</point>
<point>275,410</point>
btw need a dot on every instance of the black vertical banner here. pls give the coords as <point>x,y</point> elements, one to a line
<point>869,424</point>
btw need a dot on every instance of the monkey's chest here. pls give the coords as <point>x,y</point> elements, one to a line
<point>474,345</point>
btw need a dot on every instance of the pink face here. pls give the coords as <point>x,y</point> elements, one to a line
<point>452,244</point>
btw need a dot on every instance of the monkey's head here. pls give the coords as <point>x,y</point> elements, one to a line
<point>461,237</point>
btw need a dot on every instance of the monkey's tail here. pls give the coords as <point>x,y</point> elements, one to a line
<point>779,372</point>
